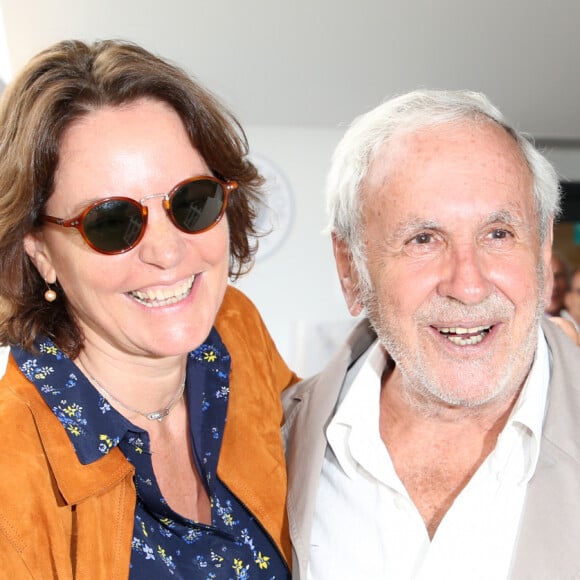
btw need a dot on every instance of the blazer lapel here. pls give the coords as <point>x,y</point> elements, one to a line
<point>547,546</point>
<point>308,408</point>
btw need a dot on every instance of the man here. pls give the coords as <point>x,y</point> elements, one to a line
<point>561,272</point>
<point>572,300</point>
<point>557,308</point>
<point>448,446</point>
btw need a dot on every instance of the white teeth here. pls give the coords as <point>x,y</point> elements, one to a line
<point>155,298</point>
<point>454,334</point>
<point>466,341</point>
<point>463,330</point>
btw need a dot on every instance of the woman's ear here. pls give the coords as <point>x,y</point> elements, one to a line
<point>35,247</point>
<point>347,274</point>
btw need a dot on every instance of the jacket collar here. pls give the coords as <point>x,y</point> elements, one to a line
<point>252,443</point>
<point>309,408</point>
<point>563,410</point>
<point>550,523</point>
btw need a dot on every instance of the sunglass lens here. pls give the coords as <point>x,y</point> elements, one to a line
<point>197,205</point>
<point>114,225</point>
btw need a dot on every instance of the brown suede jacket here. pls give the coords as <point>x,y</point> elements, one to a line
<point>61,519</point>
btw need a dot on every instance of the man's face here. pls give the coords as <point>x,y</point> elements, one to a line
<point>559,288</point>
<point>455,266</point>
<point>573,298</point>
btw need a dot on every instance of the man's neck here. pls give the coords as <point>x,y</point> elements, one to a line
<point>436,449</point>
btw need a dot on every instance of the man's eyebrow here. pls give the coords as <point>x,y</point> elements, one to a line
<point>509,218</point>
<point>409,227</point>
<point>503,216</point>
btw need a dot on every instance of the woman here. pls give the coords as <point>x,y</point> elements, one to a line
<point>126,202</point>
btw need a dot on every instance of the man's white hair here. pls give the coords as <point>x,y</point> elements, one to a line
<point>402,115</point>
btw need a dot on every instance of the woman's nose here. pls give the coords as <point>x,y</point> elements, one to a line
<point>163,245</point>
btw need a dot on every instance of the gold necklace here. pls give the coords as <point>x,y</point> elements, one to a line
<point>153,415</point>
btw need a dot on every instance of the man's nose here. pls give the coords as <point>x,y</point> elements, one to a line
<point>465,277</point>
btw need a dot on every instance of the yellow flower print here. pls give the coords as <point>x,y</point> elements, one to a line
<point>209,356</point>
<point>107,440</point>
<point>262,561</point>
<point>144,530</point>
<point>42,373</point>
<point>74,430</point>
<point>238,565</point>
<point>48,349</point>
<point>71,410</point>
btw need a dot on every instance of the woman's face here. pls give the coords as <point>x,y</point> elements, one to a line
<point>161,297</point>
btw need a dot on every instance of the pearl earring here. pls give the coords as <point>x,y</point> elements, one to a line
<point>50,294</point>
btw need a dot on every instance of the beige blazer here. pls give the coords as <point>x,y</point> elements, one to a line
<point>548,544</point>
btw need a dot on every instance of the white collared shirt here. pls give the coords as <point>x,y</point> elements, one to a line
<point>365,525</point>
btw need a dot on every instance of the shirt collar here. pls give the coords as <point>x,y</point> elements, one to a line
<point>527,416</point>
<point>354,427</point>
<point>93,426</point>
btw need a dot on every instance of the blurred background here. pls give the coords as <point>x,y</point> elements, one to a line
<point>297,72</point>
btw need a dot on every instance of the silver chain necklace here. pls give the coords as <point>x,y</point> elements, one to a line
<point>153,415</point>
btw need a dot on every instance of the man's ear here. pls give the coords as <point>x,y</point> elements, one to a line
<point>546,257</point>
<point>347,274</point>
<point>35,247</point>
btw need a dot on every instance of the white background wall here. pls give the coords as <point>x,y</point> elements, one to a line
<point>566,161</point>
<point>295,287</point>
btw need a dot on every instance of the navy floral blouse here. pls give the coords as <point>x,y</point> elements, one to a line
<point>165,545</point>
